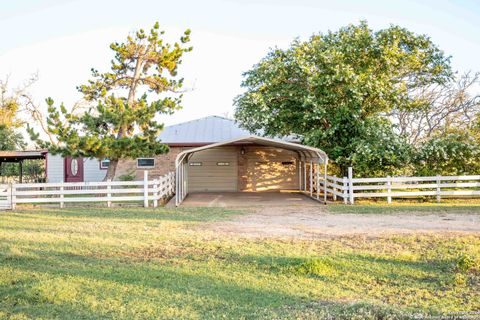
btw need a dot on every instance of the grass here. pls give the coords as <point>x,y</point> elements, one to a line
<point>471,206</point>
<point>134,263</point>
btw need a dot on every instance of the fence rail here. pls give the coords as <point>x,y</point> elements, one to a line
<point>350,188</point>
<point>78,192</point>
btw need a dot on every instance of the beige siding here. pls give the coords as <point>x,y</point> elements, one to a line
<point>210,176</point>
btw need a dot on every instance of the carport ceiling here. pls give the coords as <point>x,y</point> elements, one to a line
<point>306,153</point>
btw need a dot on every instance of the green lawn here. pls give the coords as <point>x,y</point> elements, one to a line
<point>135,263</point>
<point>406,208</point>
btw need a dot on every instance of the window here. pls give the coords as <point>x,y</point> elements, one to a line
<point>223,163</point>
<point>195,164</point>
<point>105,163</point>
<point>145,162</point>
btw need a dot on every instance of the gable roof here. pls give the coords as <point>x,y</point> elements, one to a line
<point>207,130</point>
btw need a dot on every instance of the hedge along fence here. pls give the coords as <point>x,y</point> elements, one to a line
<point>350,188</point>
<point>82,192</point>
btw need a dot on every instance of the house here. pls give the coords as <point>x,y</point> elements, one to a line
<point>60,169</point>
<point>57,168</point>
<point>213,154</point>
<point>219,164</point>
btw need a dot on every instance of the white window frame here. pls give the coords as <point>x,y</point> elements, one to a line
<point>145,167</point>
<point>103,167</point>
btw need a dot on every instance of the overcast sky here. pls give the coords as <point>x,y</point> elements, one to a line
<point>62,40</point>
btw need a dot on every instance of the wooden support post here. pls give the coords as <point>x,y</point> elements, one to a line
<point>334,189</point>
<point>21,171</point>
<point>62,192</point>
<point>350,185</point>
<point>439,191</point>
<point>389,190</point>
<point>109,193</point>
<point>318,181</point>
<point>345,190</point>
<point>145,189</point>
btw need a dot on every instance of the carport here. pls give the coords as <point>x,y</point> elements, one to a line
<point>308,161</point>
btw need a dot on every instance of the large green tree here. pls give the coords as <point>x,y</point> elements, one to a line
<point>122,123</point>
<point>325,89</point>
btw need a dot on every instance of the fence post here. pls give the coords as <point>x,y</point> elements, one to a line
<point>13,196</point>
<point>145,189</point>
<point>350,185</point>
<point>62,204</point>
<point>389,189</point>
<point>109,193</point>
<point>333,187</point>
<point>438,189</point>
<point>345,190</point>
<point>155,193</point>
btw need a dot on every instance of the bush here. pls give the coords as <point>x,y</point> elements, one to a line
<point>452,154</point>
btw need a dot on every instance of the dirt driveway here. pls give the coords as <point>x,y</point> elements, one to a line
<point>316,222</point>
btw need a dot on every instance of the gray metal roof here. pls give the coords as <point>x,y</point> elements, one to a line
<point>206,130</point>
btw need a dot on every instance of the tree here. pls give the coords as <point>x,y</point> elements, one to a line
<point>454,104</point>
<point>451,154</point>
<point>380,151</point>
<point>122,124</point>
<point>324,89</point>
<point>10,140</point>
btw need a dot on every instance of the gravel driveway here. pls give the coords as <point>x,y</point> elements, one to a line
<point>316,222</point>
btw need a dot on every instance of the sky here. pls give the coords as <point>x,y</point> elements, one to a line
<point>63,39</point>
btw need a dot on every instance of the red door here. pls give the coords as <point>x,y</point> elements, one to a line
<point>73,169</point>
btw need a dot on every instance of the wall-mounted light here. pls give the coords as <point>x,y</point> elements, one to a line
<point>242,151</point>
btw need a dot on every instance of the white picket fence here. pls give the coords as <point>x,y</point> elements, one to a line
<point>350,188</point>
<point>81,192</point>
<point>4,196</point>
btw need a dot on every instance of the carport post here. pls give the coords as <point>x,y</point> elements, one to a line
<point>299,174</point>
<point>311,178</point>
<point>304,176</point>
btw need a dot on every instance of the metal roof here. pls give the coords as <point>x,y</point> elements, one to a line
<point>15,156</point>
<point>306,153</point>
<point>206,130</point>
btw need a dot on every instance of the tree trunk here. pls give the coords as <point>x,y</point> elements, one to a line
<point>112,168</point>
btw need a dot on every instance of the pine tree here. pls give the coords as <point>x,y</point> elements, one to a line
<point>121,121</point>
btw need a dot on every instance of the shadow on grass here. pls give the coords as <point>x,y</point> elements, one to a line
<point>172,214</point>
<point>164,286</point>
